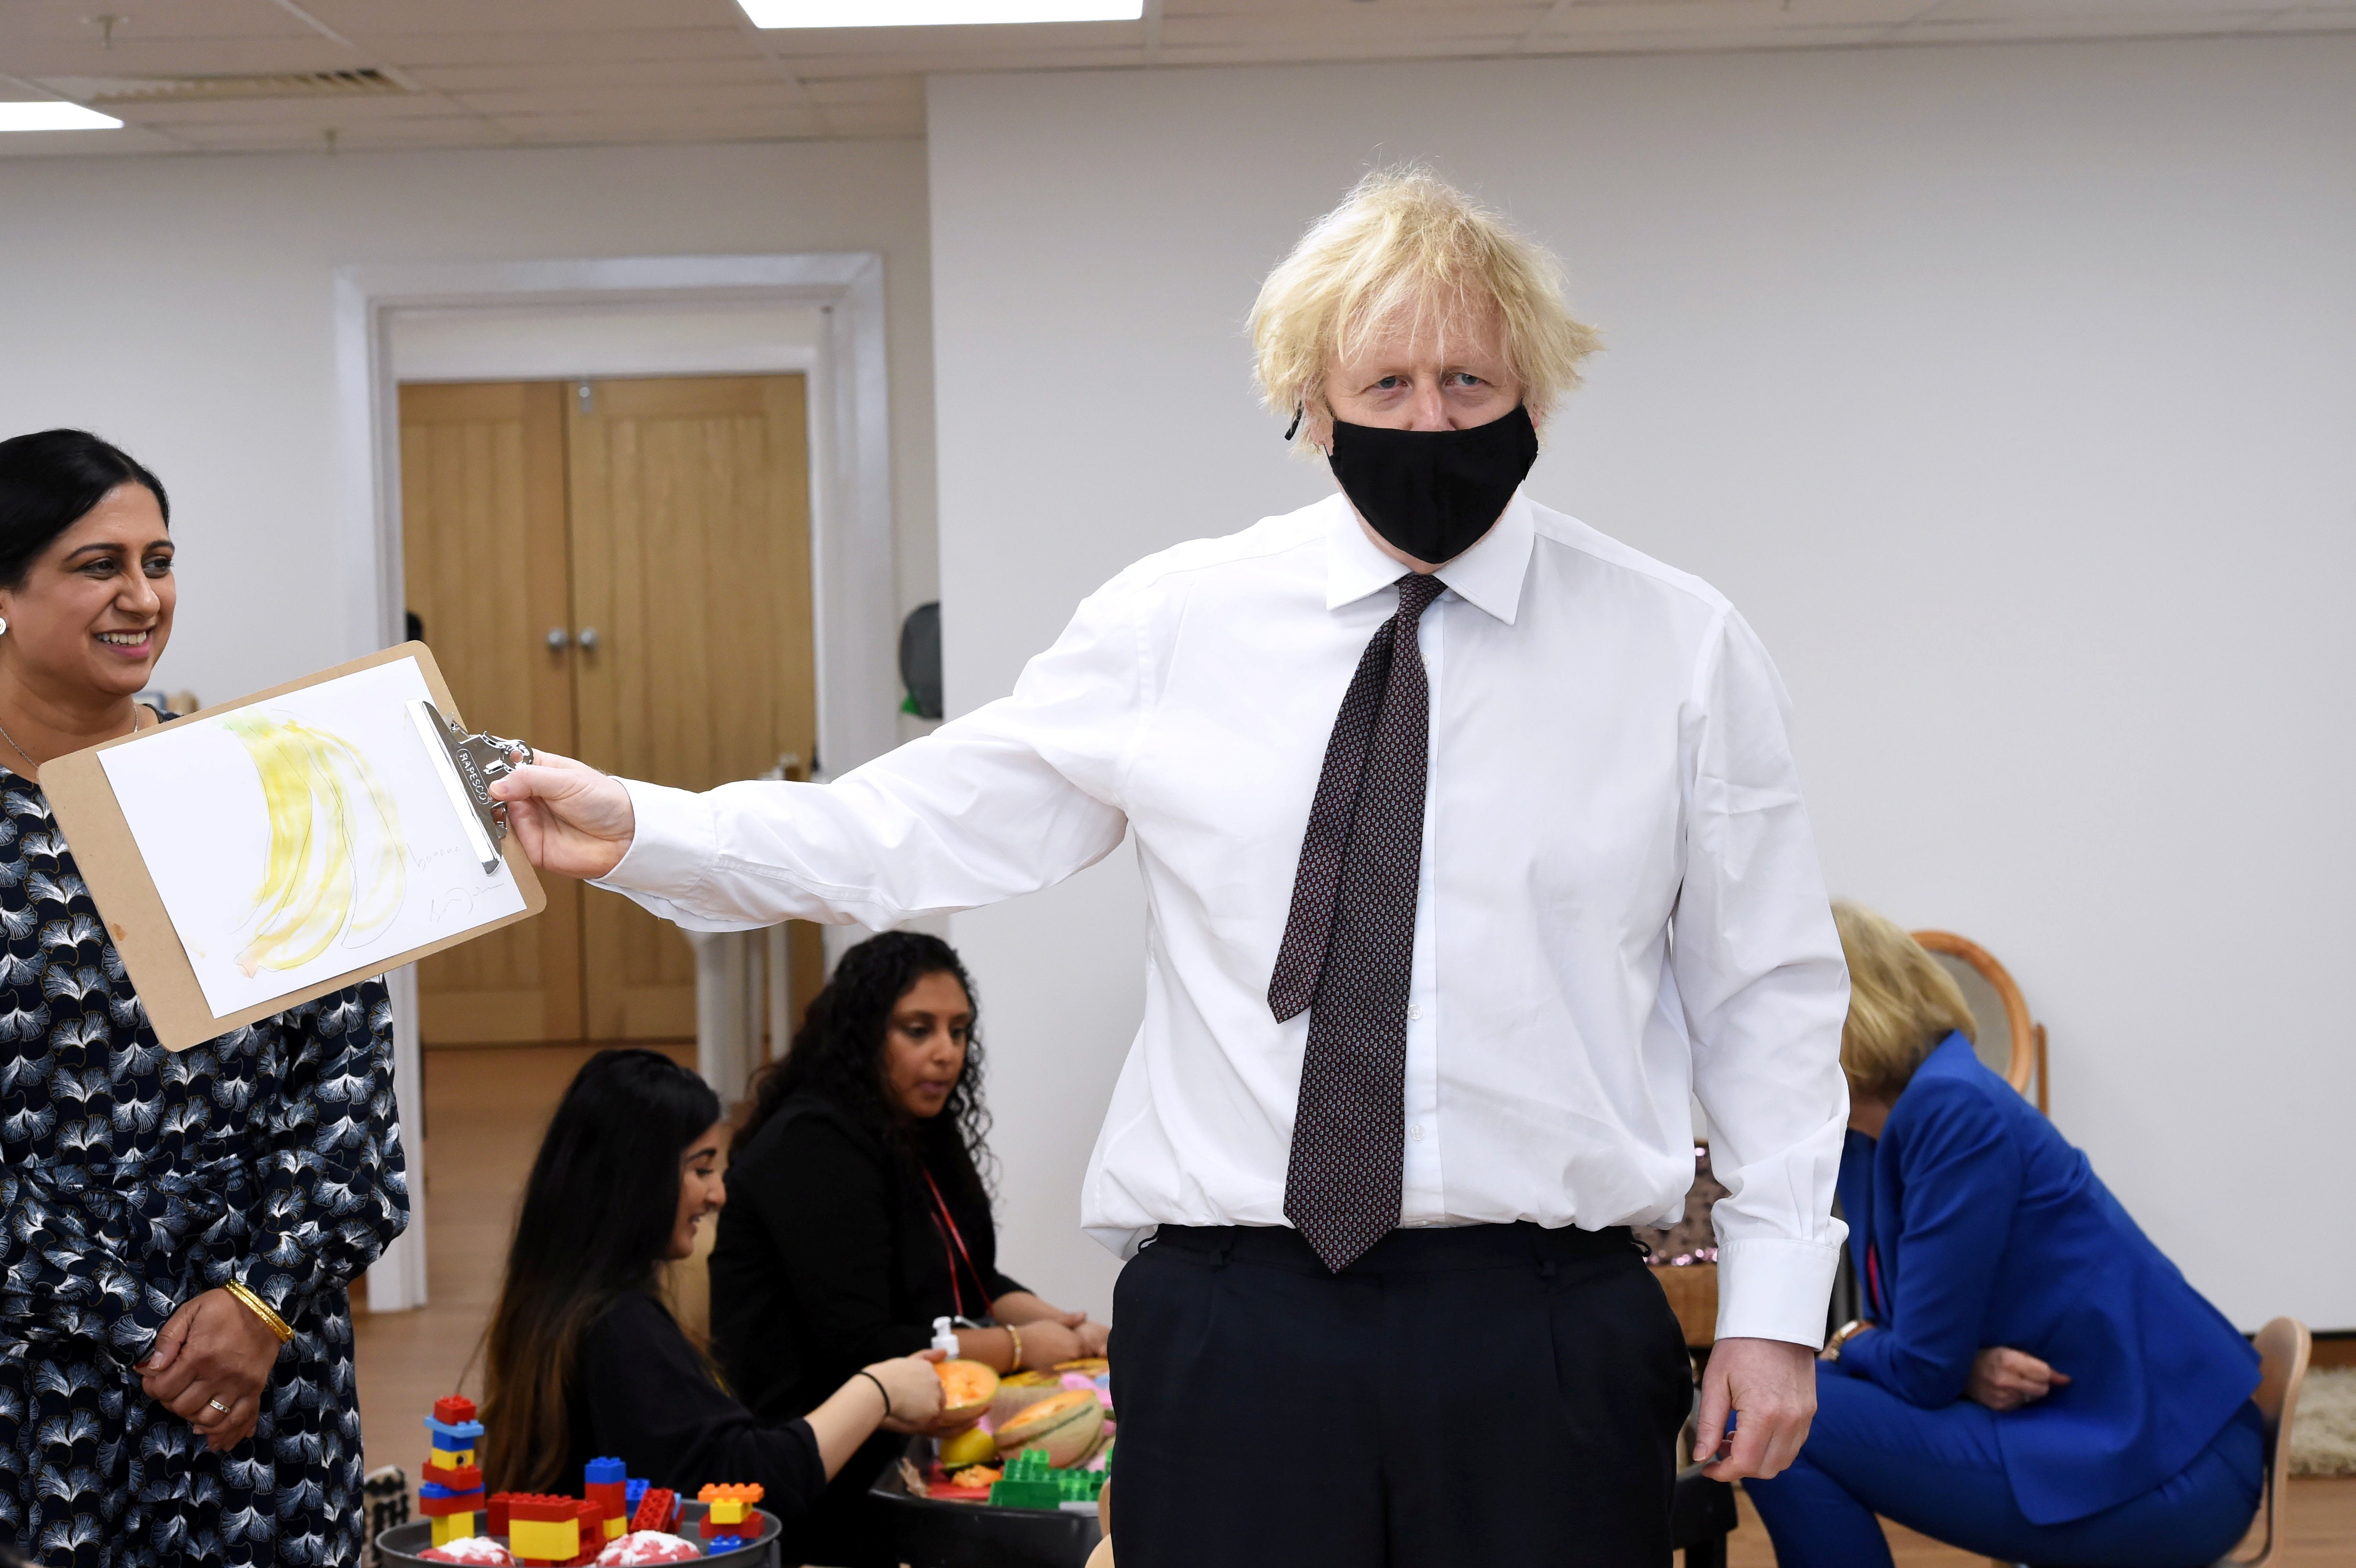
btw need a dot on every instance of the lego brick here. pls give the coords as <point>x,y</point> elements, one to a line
<point>543,1540</point>
<point>598,1472</point>
<point>456,1477</point>
<point>739,1491</point>
<point>497,1505</point>
<point>435,1502</point>
<point>541,1507</point>
<point>658,1509</point>
<point>455,1409</point>
<point>719,1543</point>
<point>453,1435</point>
<point>448,1527</point>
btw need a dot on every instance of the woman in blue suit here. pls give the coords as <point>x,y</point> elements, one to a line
<point>2032,1380</point>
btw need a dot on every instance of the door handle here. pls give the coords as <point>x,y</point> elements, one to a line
<point>559,639</point>
<point>588,639</point>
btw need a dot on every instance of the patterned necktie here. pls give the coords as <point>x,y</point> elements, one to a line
<point>1349,945</point>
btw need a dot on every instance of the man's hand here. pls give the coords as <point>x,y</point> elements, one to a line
<point>569,817</point>
<point>2006,1378</point>
<point>214,1349</point>
<point>1771,1387</point>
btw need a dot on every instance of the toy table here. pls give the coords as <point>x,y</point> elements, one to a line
<point>927,1532</point>
<point>398,1547</point>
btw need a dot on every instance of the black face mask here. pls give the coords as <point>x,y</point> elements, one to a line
<point>1433,492</point>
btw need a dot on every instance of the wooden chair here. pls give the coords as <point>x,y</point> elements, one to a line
<point>2283,1346</point>
<point>1994,1000</point>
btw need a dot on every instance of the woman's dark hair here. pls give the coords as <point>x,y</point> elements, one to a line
<point>596,1220</point>
<point>49,482</point>
<point>838,1056</point>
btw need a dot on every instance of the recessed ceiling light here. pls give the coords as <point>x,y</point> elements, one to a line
<point>934,13</point>
<point>51,115</point>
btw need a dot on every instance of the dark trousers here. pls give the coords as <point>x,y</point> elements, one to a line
<point>1941,1472</point>
<point>1491,1397</point>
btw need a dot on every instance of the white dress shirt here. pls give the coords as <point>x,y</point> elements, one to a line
<point>1620,905</point>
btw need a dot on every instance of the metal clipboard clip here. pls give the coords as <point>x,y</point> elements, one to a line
<point>467,764</point>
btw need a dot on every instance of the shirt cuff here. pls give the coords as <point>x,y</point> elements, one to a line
<point>1770,1288</point>
<point>674,846</point>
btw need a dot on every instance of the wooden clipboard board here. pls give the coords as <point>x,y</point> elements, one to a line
<point>128,900</point>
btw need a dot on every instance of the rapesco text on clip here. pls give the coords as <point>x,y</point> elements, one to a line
<point>467,764</point>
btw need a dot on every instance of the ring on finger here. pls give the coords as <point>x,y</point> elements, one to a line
<point>216,1405</point>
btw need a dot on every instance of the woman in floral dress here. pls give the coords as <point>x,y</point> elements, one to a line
<point>149,1412</point>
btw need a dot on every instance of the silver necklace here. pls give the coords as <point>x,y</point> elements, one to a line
<point>28,756</point>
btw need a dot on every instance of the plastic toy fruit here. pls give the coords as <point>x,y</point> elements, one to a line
<point>967,1389</point>
<point>1019,1391</point>
<point>1066,1424</point>
<point>972,1446</point>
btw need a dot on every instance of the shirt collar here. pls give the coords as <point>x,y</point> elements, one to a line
<point>1489,575</point>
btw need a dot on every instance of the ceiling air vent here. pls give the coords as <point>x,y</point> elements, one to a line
<point>132,89</point>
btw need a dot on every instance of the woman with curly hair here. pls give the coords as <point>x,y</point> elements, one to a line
<point>857,1212</point>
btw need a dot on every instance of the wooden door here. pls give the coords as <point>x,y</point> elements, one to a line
<point>691,607</point>
<point>485,548</point>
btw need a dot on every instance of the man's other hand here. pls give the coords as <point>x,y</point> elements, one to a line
<point>1770,1386</point>
<point>569,817</point>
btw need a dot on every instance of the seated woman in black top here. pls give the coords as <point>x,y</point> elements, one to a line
<point>857,1212</point>
<point>585,1360</point>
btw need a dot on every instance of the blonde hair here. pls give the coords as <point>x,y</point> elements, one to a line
<point>1902,1004</point>
<point>1406,239</point>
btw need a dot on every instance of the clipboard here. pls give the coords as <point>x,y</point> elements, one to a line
<point>132,904</point>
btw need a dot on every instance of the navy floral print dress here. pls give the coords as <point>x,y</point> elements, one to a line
<point>136,1179</point>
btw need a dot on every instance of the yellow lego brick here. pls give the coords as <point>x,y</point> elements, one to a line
<point>727,1511</point>
<point>616,1526</point>
<point>450,1527</point>
<point>451,1458</point>
<point>545,1540</point>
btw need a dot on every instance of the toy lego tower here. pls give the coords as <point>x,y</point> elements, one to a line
<point>452,1490</point>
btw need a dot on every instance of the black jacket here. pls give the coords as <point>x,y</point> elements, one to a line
<point>639,1394</point>
<point>827,1258</point>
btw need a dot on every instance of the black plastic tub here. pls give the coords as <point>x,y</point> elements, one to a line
<point>929,1534</point>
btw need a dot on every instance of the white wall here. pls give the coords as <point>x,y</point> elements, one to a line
<point>182,306</point>
<point>2008,391</point>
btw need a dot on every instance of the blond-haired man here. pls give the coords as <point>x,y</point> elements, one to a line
<point>1472,845</point>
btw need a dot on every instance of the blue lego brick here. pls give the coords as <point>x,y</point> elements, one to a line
<point>719,1543</point>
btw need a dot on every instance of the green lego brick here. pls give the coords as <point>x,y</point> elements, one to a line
<point>1029,1481</point>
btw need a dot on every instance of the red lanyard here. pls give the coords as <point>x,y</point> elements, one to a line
<point>945,1223</point>
<point>1873,1282</point>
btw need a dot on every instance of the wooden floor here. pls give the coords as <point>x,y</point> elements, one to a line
<point>485,1111</point>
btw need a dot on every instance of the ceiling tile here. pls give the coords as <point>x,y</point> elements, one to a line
<point>533,48</point>
<point>144,21</point>
<point>590,76</point>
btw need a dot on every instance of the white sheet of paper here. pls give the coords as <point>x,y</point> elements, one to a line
<point>194,798</point>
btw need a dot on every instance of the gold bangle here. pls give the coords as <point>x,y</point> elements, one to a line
<point>261,1309</point>
<point>1016,1335</point>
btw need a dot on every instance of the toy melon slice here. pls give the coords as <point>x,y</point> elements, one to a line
<point>1066,1424</point>
<point>967,1389</point>
<point>1019,1391</point>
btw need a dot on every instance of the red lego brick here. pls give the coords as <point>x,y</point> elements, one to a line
<point>457,1478</point>
<point>541,1506</point>
<point>455,1409</point>
<point>658,1509</point>
<point>498,1504</point>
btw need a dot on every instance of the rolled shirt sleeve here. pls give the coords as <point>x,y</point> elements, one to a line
<point>1759,969</point>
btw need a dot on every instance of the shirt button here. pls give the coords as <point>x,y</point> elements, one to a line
<point>1414,1012</point>
<point>1416,1132</point>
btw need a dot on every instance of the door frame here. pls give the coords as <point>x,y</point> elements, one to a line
<point>854,594</point>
